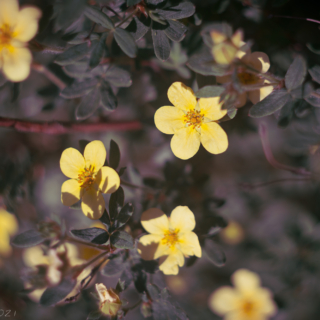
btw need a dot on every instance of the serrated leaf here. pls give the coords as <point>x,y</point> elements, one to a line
<point>98,51</point>
<point>122,240</point>
<point>138,27</point>
<point>214,254</point>
<point>28,239</point>
<point>296,73</point>
<point>108,99</point>
<point>114,266</point>
<point>176,30</point>
<point>74,53</point>
<point>181,11</point>
<point>89,104</point>
<point>118,77</point>
<point>114,155</point>
<point>210,91</point>
<point>78,89</point>
<point>161,44</point>
<point>94,315</point>
<point>53,295</point>
<point>124,215</point>
<point>97,16</point>
<point>94,235</point>
<point>126,42</point>
<point>315,73</point>
<point>273,102</point>
<point>116,203</point>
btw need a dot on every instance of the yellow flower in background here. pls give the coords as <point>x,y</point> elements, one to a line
<point>8,227</point>
<point>110,302</point>
<point>89,178</point>
<point>233,233</point>
<point>191,122</point>
<point>170,239</point>
<point>249,80</point>
<point>17,27</point>
<point>225,49</point>
<point>246,301</point>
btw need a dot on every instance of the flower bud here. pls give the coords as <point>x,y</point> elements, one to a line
<point>110,302</point>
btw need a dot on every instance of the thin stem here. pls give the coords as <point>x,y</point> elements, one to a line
<point>296,18</point>
<point>128,17</point>
<point>89,244</point>
<point>99,256</point>
<point>264,184</point>
<point>110,9</point>
<point>132,307</point>
<point>130,185</point>
<point>68,127</point>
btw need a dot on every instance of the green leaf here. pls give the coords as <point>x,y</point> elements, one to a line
<point>95,15</point>
<point>53,295</point>
<point>122,240</point>
<point>139,278</point>
<point>296,73</point>
<point>74,53</point>
<point>89,104</point>
<point>176,30</point>
<point>120,286</point>
<point>273,102</point>
<point>114,156</point>
<point>210,91</point>
<point>124,215</point>
<point>122,171</point>
<point>312,49</point>
<point>132,2</point>
<point>126,42</point>
<point>94,315</point>
<point>83,36</point>
<point>94,235</point>
<point>108,99</point>
<point>214,254</point>
<point>116,203</point>
<point>138,27</point>
<point>161,44</point>
<point>114,266</point>
<point>98,51</point>
<point>153,291</point>
<point>181,11</point>
<point>314,98</point>
<point>315,73</point>
<point>28,239</point>
<point>78,89</point>
<point>77,70</point>
<point>118,77</point>
<point>105,219</point>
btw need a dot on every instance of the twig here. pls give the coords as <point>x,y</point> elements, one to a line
<point>110,9</point>
<point>128,17</point>
<point>264,184</point>
<point>271,159</point>
<point>134,186</point>
<point>68,127</point>
<point>297,18</point>
<point>89,244</point>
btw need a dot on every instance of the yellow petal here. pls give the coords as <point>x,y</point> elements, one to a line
<point>182,219</point>
<point>185,143</point>
<point>71,163</point>
<point>70,192</point>
<point>9,11</point>
<point>213,138</point>
<point>92,204</point>
<point>108,180</point>
<point>258,60</point>
<point>16,63</point>
<point>223,300</point>
<point>147,252</point>
<point>169,264</point>
<point>27,24</point>
<point>8,222</point>
<point>182,96</point>
<point>150,238</point>
<point>237,37</point>
<point>211,108</point>
<point>217,36</point>
<point>245,280</point>
<point>169,119</point>
<point>5,248</point>
<point>163,250</point>
<point>257,95</point>
<point>34,256</point>
<point>267,305</point>
<point>224,53</point>
<point>95,154</point>
<point>189,244</point>
<point>155,221</point>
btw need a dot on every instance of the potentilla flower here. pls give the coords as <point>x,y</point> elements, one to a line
<point>255,86</point>
<point>17,27</point>
<point>170,239</point>
<point>89,178</point>
<point>110,302</point>
<point>191,122</point>
<point>8,227</point>
<point>246,301</point>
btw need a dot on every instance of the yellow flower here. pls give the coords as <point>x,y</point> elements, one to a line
<point>247,301</point>
<point>17,27</point>
<point>110,302</point>
<point>233,233</point>
<point>89,178</point>
<point>170,239</point>
<point>258,61</point>
<point>225,49</point>
<point>191,122</point>
<point>8,227</point>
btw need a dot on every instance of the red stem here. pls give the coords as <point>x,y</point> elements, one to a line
<point>68,127</point>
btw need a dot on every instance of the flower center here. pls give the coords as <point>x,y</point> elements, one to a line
<point>170,237</point>
<point>194,118</point>
<point>248,307</point>
<point>5,35</point>
<point>86,178</point>
<point>247,78</point>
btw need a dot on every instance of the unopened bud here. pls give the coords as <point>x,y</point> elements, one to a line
<point>110,302</point>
